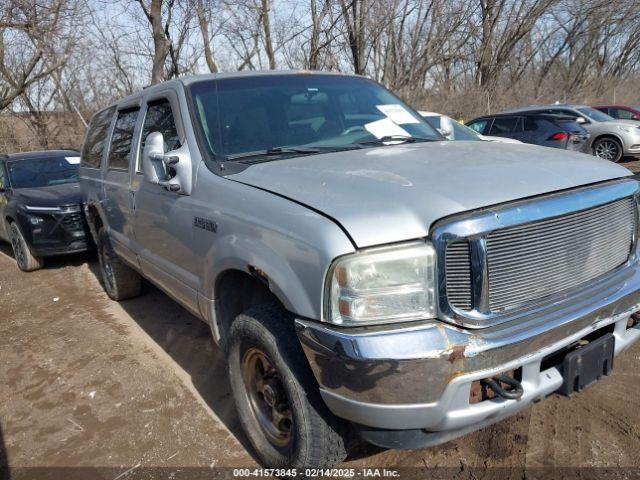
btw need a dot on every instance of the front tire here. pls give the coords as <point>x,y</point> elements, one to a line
<point>27,262</point>
<point>276,395</point>
<point>119,280</point>
<point>608,148</point>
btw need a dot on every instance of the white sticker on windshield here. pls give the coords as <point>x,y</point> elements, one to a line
<point>72,160</point>
<point>385,128</point>
<point>397,113</point>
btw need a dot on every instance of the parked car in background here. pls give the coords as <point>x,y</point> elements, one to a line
<point>621,112</point>
<point>339,249</point>
<point>547,130</point>
<point>40,205</point>
<point>454,130</point>
<point>611,139</point>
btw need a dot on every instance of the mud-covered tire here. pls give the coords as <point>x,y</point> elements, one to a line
<point>118,279</point>
<point>317,438</point>
<point>26,261</point>
<point>608,148</point>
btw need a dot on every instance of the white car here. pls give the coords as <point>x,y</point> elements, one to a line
<point>454,130</point>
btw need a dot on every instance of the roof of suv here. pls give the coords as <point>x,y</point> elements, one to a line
<point>39,154</point>
<point>626,107</point>
<point>550,116</point>
<point>530,108</point>
<point>190,79</point>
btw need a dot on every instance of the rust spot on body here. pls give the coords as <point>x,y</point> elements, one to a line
<point>456,353</point>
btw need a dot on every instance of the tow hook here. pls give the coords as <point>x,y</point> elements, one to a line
<point>513,390</point>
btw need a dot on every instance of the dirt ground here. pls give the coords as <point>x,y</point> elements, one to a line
<point>138,389</point>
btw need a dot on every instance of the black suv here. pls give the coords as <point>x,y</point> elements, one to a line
<point>548,130</point>
<point>40,211</point>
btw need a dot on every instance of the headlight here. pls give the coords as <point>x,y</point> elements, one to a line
<point>33,220</point>
<point>382,285</point>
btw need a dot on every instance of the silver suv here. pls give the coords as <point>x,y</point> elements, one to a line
<point>365,277</point>
<point>611,139</point>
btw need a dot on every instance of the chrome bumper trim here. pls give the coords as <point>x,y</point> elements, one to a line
<point>420,376</point>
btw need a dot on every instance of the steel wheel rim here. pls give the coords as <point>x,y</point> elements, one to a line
<point>18,250</point>
<point>267,398</point>
<point>607,150</point>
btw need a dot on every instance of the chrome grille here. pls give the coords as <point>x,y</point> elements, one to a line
<point>458,270</point>
<point>529,262</point>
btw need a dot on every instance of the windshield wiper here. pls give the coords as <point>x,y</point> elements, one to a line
<point>272,151</point>
<point>395,138</point>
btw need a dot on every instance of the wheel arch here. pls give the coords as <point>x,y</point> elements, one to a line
<point>613,136</point>
<point>94,219</point>
<point>235,291</point>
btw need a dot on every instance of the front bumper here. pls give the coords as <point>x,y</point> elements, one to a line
<point>418,378</point>
<point>57,233</point>
<point>632,143</point>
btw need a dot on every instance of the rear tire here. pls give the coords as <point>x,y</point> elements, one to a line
<point>118,279</point>
<point>27,262</point>
<point>277,396</point>
<point>608,148</point>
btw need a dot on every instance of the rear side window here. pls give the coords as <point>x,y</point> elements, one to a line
<point>160,118</point>
<point>94,142</point>
<point>503,125</point>
<point>536,124</point>
<point>570,126</point>
<point>120,151</point>
<point>620,113</point>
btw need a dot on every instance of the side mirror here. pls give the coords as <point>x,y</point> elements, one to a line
<point>581,120</point>
<point>635,117</point>
<point>171,170</point>
<point>446,133</point>
<point>446,128</point>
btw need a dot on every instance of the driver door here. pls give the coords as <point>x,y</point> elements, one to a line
<point>163,219</point>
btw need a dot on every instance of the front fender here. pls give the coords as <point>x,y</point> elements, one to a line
<point>608,134</point>
<point>241,252</point>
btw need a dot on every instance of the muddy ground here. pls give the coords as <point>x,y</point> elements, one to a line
<point>124,388</point>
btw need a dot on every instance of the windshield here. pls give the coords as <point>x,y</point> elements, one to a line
<point>301,114</point>
<point>43,172</point>
<point>594,114</point>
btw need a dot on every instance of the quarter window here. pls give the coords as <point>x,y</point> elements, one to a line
<point>120,151</point>
<point>94,142</point>
<point>160,118</point>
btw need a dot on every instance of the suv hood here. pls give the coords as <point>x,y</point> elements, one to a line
<point>51,196</point>
<point>390,194</point>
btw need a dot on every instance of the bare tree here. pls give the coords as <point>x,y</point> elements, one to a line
<point>161,16</point>
<point>28,32</point>
<point>265,21</point>
<point>205,19</point>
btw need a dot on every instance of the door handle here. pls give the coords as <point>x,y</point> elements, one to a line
<point>132,199</point>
